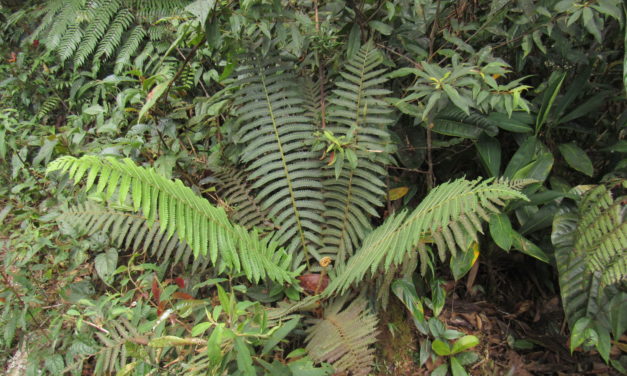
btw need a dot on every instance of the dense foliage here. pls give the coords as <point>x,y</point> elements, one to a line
<point>253,187</point>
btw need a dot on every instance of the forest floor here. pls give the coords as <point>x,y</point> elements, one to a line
<point>519,324</point>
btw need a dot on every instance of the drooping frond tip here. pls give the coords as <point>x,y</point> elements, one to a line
<point>205,228</point>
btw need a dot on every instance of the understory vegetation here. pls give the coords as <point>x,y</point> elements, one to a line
<point>342,187</point>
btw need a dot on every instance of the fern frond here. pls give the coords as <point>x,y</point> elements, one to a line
<point>591,253</point>
<point>101,13</point>
<point>450,216</point>
<point>70,41</point>
<point>113,354</point>
<point>242,206</point>
<point>275,127</point>
<point>357,113</point>
<point>454,122</point>
<point>205,228</point>
<point>48,106</point>
<point>111,40</point>
<point>130,231</point>
<point>129,48</point>
<point>344,337</point>
<point>64,16</point>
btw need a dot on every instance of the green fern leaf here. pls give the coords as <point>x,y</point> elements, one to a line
<point>275,127</point>
<point>193,219</point>
<point>358,114</point>
<point>591,253</point>
<point>403,232</point>
<point>344,337</point>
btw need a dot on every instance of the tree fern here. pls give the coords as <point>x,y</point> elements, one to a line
<point>274,126</point>
<point>130,231</point>
<point>450,216</point>
<point>359,115</point>
<point>591,253</point>
<point>343,337</point>
<point>205,228</point>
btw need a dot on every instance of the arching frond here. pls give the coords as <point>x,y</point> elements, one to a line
<point>343,337</point>
<point>130,231</point>
<point>112,354</point>
<point>450,216</point>
<point>591,253</point>
<point>205,228</point>
<point>359,116</point>
<point>275,126</point>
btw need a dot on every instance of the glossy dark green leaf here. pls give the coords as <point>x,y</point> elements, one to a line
<point>550,93</point>
<point>518,123</point>
<point>521,157</point>
<point>489,150</point>
<point>501,231</point>
<point>577,158</point>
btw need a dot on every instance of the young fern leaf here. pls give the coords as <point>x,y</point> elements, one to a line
<point>205,228</point>
<point>274,126</point>
<point>591,253</point>
<point>450,216</point>
<point>130,231</point>
<point>344,337</point>
<point>359,115</point>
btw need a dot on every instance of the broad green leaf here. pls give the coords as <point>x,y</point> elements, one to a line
<point>522,157</point>
<point>525,246</point>
<point>381,27</point>
<point>105,264</point>
<point>406,292</point>
<point>441,348</point>
<point>519,122</point>
<point>440,371</point>
<point>244,360</point>
<point>464,343</point>
<point>458,100</point>
<point>200,328</point>
<point>152,99</point>
<point>537,170</point>
<point>463,261</point>
<point>279,334</point>
<point>579,333</point>
<point>457,369</point>
<point>490,154</point>
<point>577,158</point>
<point>214,349</point>
<point>354,41</point>
<point>550,93</point>
<point>501,231</point>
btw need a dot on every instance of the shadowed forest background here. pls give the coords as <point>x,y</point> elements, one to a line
<point>281,187</point>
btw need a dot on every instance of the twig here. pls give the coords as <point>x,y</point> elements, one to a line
<point>430,175</point>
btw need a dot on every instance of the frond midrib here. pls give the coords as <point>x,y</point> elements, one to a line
<point>301,232</point>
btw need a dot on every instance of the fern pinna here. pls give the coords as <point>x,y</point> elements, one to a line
<point>205,228</point>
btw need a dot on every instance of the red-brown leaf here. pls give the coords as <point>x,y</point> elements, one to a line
<point>313,283</point>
